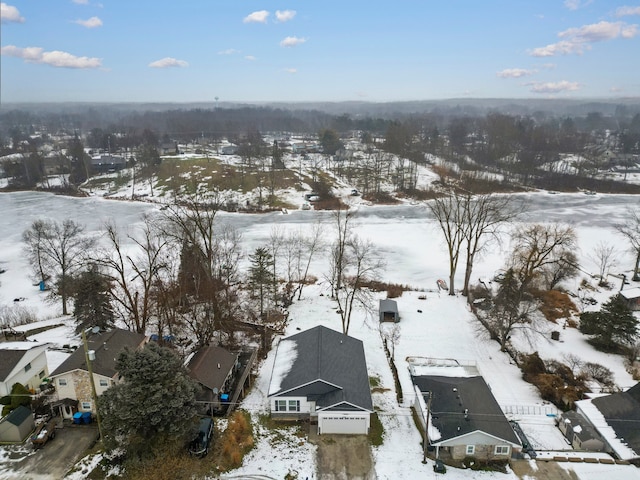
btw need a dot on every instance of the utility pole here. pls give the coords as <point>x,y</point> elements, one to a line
<point>88,358</point>
<point>425,441</point>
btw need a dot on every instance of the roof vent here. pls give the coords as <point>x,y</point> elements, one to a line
<point>455,389</point>
<point>218,365</point>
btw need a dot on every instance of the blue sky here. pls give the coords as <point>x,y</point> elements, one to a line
<point>293,50</point>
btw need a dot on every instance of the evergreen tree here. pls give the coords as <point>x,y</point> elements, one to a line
<point>154,403</point>
<point>613,325</point>
<point>92,305</point>
<point>261,277</point>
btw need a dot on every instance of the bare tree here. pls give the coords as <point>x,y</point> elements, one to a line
<point>60,248</point>
<point>540,249</point>
<point>450,214</point>
<point>604,255</point>
<point>342,219</point>
<point>484,216</point>
<point>360,265</point>
<point>630,230</point>
<point>391,335</point>
<point>134,277</point>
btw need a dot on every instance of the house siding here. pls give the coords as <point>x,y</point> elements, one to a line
<point>31,378</point>
<point>306,408</point>
<point>78,387</point>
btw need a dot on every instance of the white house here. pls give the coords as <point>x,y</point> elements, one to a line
<point>71,378</point>
<point>24,363</point>
<point>322,374</point>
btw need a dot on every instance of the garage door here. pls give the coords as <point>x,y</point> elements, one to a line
<point>342,424</point>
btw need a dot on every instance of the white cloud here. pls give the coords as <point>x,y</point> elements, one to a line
<point>167,62</point>
<point>92,22</point>
<point>598,32</point>
<point>554,87</point>
<point>228,51</point>
<point>291,70</point>
<point>54,58</point>
<point>576,4</point>
<point>515,73</point>
<point>625,11</point>
<point>560,48</point>
<point>249,57</point>
<point>81,2</point>
<point>578,40</point>
<point>285,15</point>
<point>256,17</point>
<point>615,90</point>
<point>292,41</point>
<point>10,14</point>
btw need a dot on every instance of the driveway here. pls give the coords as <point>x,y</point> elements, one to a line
<point>344,457</point>
<point>54,459</point>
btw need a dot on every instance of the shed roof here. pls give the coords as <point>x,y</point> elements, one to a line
<point>107,346</point>
<point>630,293</point>
<point>19,415</point>
<point>328,356</point>
<point>451,397</point>
<point>387,305</point>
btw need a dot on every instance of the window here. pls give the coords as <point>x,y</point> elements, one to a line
<point>27,367</point>
<point>86,406</point>
<point>294,405</point>
<point>502,450</point>
<point>471,449</point>
<point>104,383</point>
<point>62,382</point>
<point>41,374</point>
<point>281,405</point>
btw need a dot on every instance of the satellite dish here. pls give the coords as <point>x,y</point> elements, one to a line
<point>215,391</point>
<point>95,329</point>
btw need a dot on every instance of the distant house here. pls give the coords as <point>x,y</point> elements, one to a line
<point>616,418</point>
<point>229,149</point>
<point>388,311</point>
<point>631,297</point>
<point>16,427</point>
<point>213,368</point>
<point>71,378</point>
<point>24,363</point>
<point>321,374</point>
<point>465,418</point>
<point>108,163</point>
<point>580,433</point>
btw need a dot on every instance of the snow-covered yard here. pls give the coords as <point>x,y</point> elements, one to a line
<point>439,326</point>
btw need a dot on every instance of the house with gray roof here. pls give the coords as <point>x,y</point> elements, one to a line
<point>321,374</point>
<point>579,432</point>
<point>616,417</point>
<point>24,363</point>
<point>71,378</point>
<point>213,368</point>
<point>465,418</point>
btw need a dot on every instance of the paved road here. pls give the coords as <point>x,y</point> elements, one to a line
<point>56,458</point>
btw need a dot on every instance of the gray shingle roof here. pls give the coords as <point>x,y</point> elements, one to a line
<point>622,413</point>
<point>107,345</point>
<point>211,365</point>
<point>326,358</point>
<point>8,360</point>
<point>18,416</point>
<point>451,396</point>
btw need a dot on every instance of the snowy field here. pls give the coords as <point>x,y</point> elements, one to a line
<point>439,326</point>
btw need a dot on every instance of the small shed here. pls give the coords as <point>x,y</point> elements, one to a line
<point>16,427</point>
<point>389,311</point>
<point>631,297</point>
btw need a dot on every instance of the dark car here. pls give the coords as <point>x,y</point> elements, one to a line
<point>199,446</point>
<point>439,467</point>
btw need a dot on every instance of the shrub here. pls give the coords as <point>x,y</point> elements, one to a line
<point>598,372</point>
<point>555,304</point>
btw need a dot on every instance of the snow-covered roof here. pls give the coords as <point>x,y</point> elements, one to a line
<point>590,411</point>
<point>630,293</point>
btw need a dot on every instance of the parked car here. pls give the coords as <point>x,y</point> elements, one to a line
<point>439,467</point>
<point>43,433</point>
<point>199,446</point>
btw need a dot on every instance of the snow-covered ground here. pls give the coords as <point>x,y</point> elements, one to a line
<point>439,326</point>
